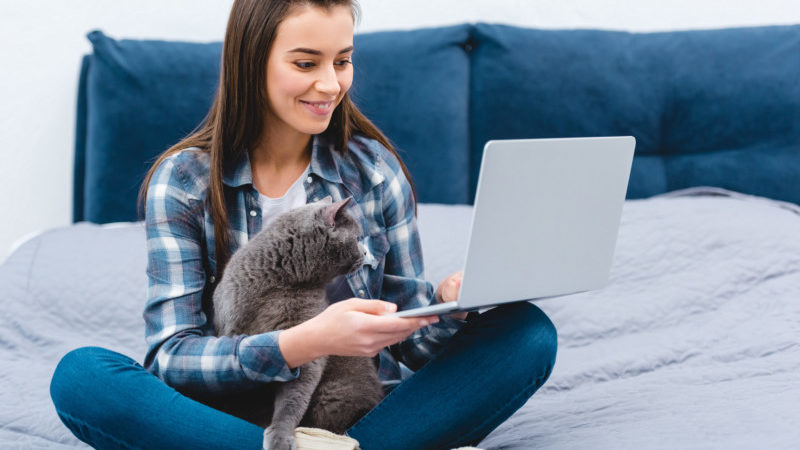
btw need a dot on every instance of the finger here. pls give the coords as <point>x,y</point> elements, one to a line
<point>390,325</point>
<point>389,339</point>
<point>393,325</point>
<point>394,339</point>
<point>455,276</point>
<point>409,325</point>
<point>370,306</point>
<point>451,291</point>
<point>399,337</point>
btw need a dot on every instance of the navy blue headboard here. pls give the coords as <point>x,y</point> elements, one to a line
<point>717,107</point>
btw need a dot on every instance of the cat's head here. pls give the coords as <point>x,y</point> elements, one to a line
<point>317,242</point>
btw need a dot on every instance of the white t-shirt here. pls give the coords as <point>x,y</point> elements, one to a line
<point>294,197</point>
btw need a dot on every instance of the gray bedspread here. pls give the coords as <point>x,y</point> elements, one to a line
<point>693,344</point>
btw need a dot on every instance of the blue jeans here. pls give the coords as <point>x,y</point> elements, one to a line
<point>488,370</point>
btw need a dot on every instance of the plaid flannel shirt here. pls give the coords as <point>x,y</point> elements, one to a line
<point>182,347</point>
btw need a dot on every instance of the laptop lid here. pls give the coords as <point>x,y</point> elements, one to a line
<point>545,219</point>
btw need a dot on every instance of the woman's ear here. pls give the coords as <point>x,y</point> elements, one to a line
<point>332,212</point>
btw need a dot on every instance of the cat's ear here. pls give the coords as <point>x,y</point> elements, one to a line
<point>330,213</point>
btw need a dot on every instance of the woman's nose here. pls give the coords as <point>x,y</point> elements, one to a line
<point>327,82</point>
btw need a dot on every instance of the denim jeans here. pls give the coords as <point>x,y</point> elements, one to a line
<point>488,370</point>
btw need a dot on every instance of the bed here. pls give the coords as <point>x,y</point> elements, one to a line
<point>692,344</point>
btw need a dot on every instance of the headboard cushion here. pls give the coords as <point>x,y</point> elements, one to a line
<point>140,98</point>
<point>710,107</point>
<point>414,85</point>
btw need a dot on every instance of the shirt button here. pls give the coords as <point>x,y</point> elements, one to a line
<point>213,279</point>
<point>316,199</point>
<point>253,212</point>
<point>309,180</point>
<point>361,293</point>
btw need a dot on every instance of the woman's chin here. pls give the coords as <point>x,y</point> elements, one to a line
<point>315,128</point>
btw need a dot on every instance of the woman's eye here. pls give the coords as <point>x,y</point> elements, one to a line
<point>309,65</point>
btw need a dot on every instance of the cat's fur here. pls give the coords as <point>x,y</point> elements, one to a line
<point>276,281</point>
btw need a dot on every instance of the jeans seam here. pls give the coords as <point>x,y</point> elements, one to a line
<point>536,382</point>
<point>95,428</point>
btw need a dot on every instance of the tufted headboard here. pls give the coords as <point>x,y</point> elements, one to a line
<point>716,108</point>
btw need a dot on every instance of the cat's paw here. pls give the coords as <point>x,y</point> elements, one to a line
<point>279,439</point>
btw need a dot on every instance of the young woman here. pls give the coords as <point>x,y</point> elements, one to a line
<point>282,132</point>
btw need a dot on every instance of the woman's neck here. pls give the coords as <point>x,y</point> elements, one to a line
<point>277,152</point>
<point>278,160</point>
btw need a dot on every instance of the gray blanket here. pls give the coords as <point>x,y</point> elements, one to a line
<point>693,344</point>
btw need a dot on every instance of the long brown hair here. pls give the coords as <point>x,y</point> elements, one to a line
<point>236,118</point>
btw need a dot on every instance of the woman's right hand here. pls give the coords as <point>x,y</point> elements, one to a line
<point>353,327</point>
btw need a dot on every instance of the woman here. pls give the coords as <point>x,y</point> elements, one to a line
<point>282,132</point>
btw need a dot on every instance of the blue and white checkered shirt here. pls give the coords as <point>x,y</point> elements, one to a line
<point>182,347</point>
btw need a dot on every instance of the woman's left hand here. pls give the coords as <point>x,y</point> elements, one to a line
<point>448,292</point>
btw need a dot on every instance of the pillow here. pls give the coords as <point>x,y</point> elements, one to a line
<point>414,85</point>
<point>141,97</point>
<point>711,107</point>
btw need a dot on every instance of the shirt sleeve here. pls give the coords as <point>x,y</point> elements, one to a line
<point>403,280</point>
<point>182,348</point>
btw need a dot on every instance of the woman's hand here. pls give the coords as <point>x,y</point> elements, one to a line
<point>354,327</point>
<point>448,292</point>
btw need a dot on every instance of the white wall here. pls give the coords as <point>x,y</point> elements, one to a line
<point>41,42</point>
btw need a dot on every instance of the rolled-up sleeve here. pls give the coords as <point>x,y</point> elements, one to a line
<point>182,349</point>
<point>403,280</point>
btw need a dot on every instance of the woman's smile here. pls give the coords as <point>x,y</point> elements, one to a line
<point>318,108</point>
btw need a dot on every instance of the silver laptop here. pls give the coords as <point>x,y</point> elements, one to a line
<point>545,221</point>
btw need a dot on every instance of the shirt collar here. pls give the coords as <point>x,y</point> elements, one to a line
<point>238,173</point>
<point>323,160</point>
<point>323,164</point>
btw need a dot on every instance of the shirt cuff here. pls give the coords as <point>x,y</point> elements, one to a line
<point>262,360</point>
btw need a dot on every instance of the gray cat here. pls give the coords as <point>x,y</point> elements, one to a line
<point>278,280</point>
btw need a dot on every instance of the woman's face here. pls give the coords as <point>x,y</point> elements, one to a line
<point>309,68</point>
